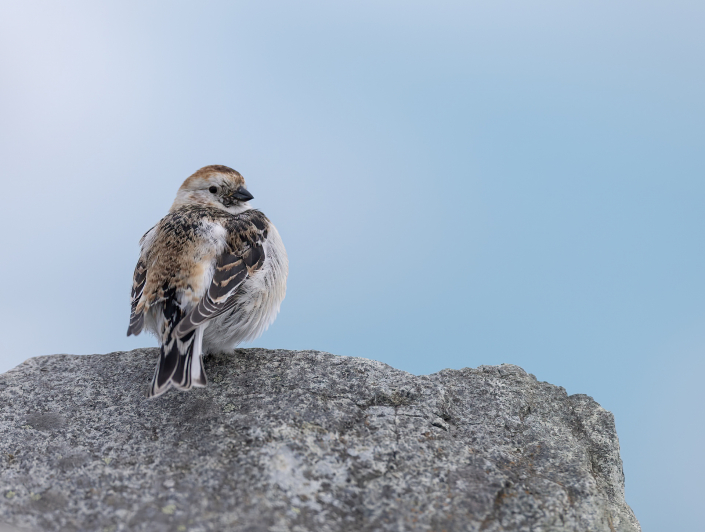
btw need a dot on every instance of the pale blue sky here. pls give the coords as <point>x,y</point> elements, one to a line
<point>457,184</point>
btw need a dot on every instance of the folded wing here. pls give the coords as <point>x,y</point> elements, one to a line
<point>137,315</point>
<point>242,257</point>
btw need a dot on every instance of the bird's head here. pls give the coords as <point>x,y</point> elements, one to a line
<point>214,186</point>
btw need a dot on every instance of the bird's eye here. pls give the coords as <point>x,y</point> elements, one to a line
<point>213,190</point>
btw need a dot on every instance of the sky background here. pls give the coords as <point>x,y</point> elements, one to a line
<point>457,184</point>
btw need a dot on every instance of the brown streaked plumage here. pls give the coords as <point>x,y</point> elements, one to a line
<point>211,274</point>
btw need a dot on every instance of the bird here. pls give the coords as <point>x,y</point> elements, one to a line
<point>211,274</point>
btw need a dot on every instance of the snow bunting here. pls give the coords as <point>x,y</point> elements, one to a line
<point>211,274</point>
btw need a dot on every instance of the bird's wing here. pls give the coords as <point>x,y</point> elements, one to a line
<point>137,314</point>
<point>139,278</point>
<point>242,257</point>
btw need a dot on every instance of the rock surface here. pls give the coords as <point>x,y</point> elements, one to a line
<point>302,441</point>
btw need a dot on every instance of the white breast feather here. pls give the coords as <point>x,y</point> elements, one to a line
<point>260,300</point>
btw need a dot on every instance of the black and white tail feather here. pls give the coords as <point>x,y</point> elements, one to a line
<point>180,364</point>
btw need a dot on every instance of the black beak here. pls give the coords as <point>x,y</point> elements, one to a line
<point>242,194</point>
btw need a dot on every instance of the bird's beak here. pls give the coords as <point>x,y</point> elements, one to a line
<point>242,194</point>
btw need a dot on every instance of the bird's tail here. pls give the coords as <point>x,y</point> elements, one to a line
<point>180,363</point>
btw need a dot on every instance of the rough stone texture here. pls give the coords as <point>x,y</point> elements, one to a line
<point>286,440</point>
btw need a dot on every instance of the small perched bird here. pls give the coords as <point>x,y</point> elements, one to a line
<point>211,274</point>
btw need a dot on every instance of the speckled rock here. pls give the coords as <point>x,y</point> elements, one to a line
<point>302,441</point>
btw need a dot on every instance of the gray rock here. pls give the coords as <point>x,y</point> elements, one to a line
<point>299,441</point>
